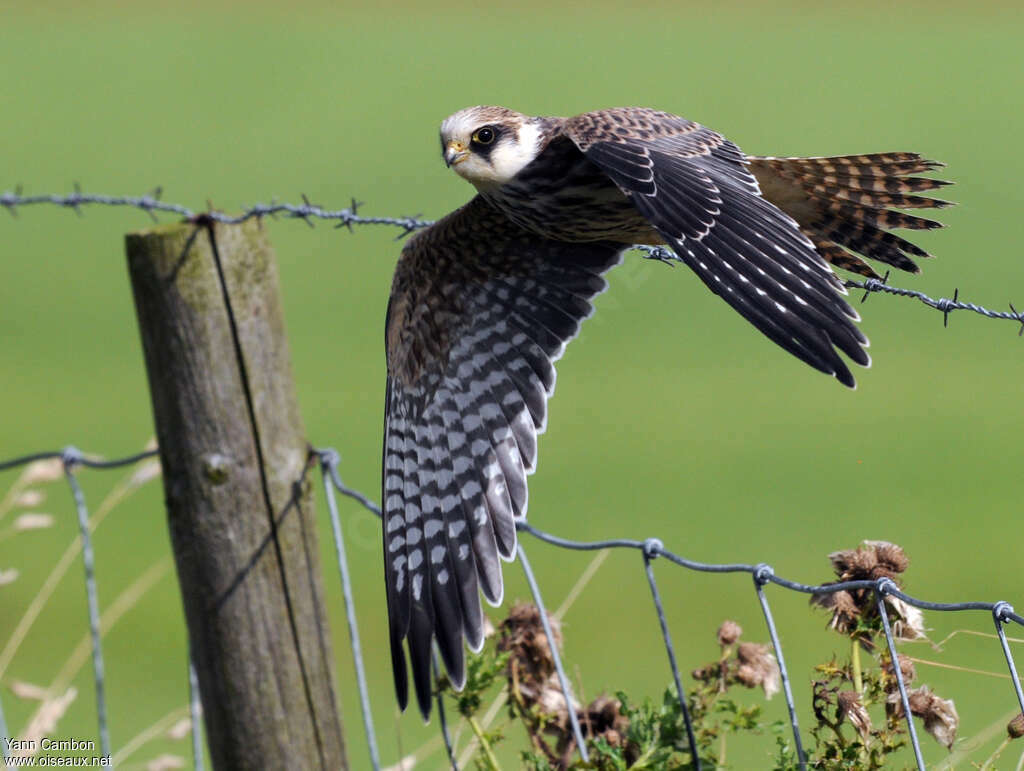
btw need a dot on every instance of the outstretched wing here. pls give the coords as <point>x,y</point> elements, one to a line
<point>694,187</point>
<point>480,309</point>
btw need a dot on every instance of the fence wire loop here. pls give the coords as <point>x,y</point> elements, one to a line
<point>71,456</point>
<point>763,573</point>
<point>653,547</point>
<point>1002,611</point>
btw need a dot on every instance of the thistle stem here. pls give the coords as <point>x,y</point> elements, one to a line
<point>484,744</point>
<point>858,680</point>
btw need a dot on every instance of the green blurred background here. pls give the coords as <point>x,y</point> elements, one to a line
<point>673,417</point>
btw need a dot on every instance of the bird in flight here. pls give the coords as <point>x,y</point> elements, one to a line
<point>484,301</point>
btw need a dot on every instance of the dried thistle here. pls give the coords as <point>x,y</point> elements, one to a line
<point>909,621</point>
<point>1015,728</point>
<point>728,633</point>
<point>870,561</point>
<point>758,667</point>
<point>906,669</point>
<point>522,635</point>
<point>851,708</point>
<point>939,715</point>
<point>845,610</point>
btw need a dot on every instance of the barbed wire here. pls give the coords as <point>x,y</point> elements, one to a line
<point>152,203</point>
<point>349,217</point>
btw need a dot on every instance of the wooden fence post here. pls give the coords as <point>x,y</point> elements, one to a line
<point>233,450</point>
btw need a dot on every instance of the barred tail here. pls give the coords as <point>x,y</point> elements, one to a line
<point>843,204</point>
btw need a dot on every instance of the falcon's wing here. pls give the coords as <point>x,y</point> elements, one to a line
<point>694,187</point>
<point>845,204</point>
<point>480,309</point>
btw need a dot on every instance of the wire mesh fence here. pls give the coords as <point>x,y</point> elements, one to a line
<point>650,550</point>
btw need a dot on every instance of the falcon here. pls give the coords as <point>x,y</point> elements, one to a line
<point>484,301</point>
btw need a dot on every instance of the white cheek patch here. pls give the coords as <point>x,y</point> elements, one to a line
<point>509,156</point>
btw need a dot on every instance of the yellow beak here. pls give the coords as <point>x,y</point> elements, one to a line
<point>455,152</point>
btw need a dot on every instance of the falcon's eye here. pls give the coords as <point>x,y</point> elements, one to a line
<point>485,135</point>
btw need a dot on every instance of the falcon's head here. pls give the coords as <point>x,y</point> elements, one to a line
<point>488,146</point>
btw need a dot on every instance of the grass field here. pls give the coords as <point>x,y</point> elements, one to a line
<point>673,417</point>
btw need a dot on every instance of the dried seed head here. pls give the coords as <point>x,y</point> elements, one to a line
<point>942,721</point>
<point>728,633</point>
<point>909,621</point>
<point>889,555</point>
<point>605,718</point>
<point>939,715</point>
<point>757,667</point>
<point>851,564</point>
<point>869,561</point>
<point>523,634</point>
<point>1015,728</point>
<point>906,669</point>
<point>550,700</point>
<point>845,611</point>
<point>531,663</point>
<point>851,708</point>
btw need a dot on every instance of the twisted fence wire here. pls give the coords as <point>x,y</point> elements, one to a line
<point>348,217</point>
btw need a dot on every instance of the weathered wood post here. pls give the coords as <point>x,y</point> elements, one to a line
<point>233,448</point>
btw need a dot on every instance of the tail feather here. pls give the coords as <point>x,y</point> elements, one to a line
<point>842,203</point>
